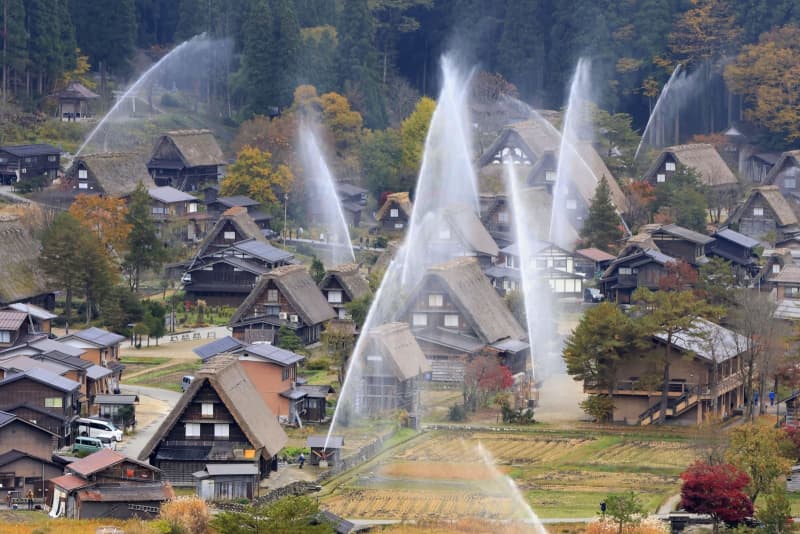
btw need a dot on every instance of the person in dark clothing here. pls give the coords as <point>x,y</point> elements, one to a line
<point>301,460</point>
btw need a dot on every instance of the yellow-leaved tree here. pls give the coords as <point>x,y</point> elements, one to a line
<point>253,174</point>
<point>105,217</point>
<point>413,131</point>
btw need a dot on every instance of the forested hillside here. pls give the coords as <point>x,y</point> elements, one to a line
<point>381,54</point>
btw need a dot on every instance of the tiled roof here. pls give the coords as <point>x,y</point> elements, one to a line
<point>335,442</point>
<point>97,336</point>
<point>100,460</point>
<point>69,482</point>
<point>595,254</point>
<point>44,377</point>
<point>225,344</point>
<point>12,319</point>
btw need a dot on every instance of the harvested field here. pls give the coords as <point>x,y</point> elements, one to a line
<point>437,471</point>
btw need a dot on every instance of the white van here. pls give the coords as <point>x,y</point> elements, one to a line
<point>97,428</point>
<point>186,381</point>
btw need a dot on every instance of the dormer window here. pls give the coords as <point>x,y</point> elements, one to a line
<point>758,212</point>
<point>435,300</point>
<point>549,176</point>
<point>790,183</point>
<point>229,236</point>
<point>669,166</point>
<point>394,212</point>
<point>661,178</point>
<point>335,297</point>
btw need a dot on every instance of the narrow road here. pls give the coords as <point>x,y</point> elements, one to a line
<point>156,404</point>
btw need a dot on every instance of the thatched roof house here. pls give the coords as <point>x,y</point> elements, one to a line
<point>785,173</point>
<point>235,220</point>
<point>186,159</point>
<point>401,351</point>
<point>343,284</point>
<point>250,424</point>
<point>702,157</point>
<point>113,174</point>
<point>763,212</point>
<point>395,212</point>
<point>22,279</point>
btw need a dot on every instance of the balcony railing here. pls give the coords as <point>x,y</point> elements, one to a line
<point>636,388</point>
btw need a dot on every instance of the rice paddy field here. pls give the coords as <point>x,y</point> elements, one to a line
<point>442,475</point>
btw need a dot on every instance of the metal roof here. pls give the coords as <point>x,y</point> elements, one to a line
<point>736,237</point>
<point>232,469</point>
<point>40,149</point>
<point>709,341</point>
<point>116,399</point>
<point>66,359</point>
<point>293,394</point>
<point>35,311</point>
<point>263,250</point>
<point>449,338</point>
<point>225,344</point>
<point>12,319</point>
<point>96,372</point>
<point>236,200</point>
<point>318,442</point>
<point>350,189</point>
<point>595,254</point>
<point>273,353</point>
<point>169,195</point>
<point>315,391</point>
<point>69,482</point>
<point>45,377</point>
<point>26,363</point>
<point>511,345</point>
<point>97,336</point>
<point>103,459</point>
<point>155,491</point>
<point>49,345</point>
<point>6,418</point>
<point>685,233</point>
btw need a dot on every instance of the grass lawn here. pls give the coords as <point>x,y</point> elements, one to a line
<point>134,364</point>
<point>166,377</point>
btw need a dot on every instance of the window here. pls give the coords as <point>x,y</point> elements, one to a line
<point>451,320</point>
<point>207,409</point>
<point>273,310</point>
<point>502,217</point>
<point>230,236</point>
<point>394,212</point>
<point>791,292</point>
<point>420,319</point>
<point>550,176</point>
<point>82,174</point>
<point>776,268</point>
<point>510,261</point>
<point>790,183</point>
<point>335,297</point>
<point>272,295</point>
<point>661,178</point>
<point>435,301</point>
<point>5,336</point>
<point>28,160</point>
<point>159,211</point>
<point>625,271</point>
<point>285,373</point>
<point>669,166</point>
<point>53,402</point>
<point>192,430</point>
<point>52,158</point>
<point>758,212</point>
<point>192,207</point>
<point>560,264</point>
<point>83,185</point>
<point>572,204</point>
<point>398,226</point>
<point>444,232</point>
<point>221,430</point>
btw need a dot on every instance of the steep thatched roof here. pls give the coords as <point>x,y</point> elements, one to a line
<point>297,286</point>
<point>401,200</point>
<point>465,223</point>
<point>703,158</point>
<point>790,158</point>
<point>482,307</point>
<point>117,174</point>
<point>349,278</point>
<point>775,200</point>
<point>19,254</point>
<point>395,341</point>
<point>251,413</point>
<point>240,219</point>
<point>197,148</point>
<point>76,90</point>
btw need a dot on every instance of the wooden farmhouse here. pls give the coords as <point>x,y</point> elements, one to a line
<point>703,158</point>
<point>216,206</point>
<point>230,259</point>
<point>100,347</point>
<point>341,285</point>
<point>532,147</point>
<point>785,174</point>
<point>43,398</point>
<point>456,231</point>
<point>591,262</point>
<point>21,162</point>
<point>273,372</point>
<point>755,168</point>
<point>186,160</point>
<point>112,174</point>
<point>39,319</point>
<point>497,218</point>
<point>23,280</point>
<point>392,369</point>
<point>286,296</point>
<point>227,481</point>
<point>692,388</point>
<point>177,215</point>
<point>551,263</point>
<point>353,200</point>
<point>787,292</point>
<point>765,215</point>
<point>26,451</point>
<point>221,419</point>
<point>108,484</point>
<point>737,249</point>
<point>395,213</point>
<point>74,101</point>
<point>455,313</point>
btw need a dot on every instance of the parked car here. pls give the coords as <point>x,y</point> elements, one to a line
<point>592,294</point>
<point>109,443</point>
<point>98,428</point>
<point>87,444</point>
<point>186,381</point>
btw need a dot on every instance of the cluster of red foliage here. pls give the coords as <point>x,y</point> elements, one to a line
<point>716,490</point>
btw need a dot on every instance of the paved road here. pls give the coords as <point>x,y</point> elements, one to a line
<point>133,445</point>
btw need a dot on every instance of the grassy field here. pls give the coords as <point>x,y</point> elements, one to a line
<point>135,364</point>
<point>447,475</point>
<point>168,377</point>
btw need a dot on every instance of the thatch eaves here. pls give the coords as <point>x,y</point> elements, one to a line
<point>117,174</point>
<point>465,223</point>
<point>237,392</point>
<point>197,148</point>
<point>704,159</point>
<point>19,254</point>
<point>395,341</point>
<point>789,158</point>
<point>297,286</point>
<point>350,278</point>
<point>239,217</point>
<point>400,200</point>
<point>775,200</point>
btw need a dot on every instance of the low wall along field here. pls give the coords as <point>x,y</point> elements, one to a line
<point>441,476</point>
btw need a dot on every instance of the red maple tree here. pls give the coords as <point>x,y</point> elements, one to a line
<point>484,375</point>
<point>716,490</point>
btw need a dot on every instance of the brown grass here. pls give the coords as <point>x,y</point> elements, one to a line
<point>190,514</point>
<point>38,523</point>
<point>437,471</point>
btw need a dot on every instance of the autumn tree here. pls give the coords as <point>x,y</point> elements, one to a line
<point>761,452</point>
<point>639,197</point>
<point>413,132</point>
<point>105,217</point>
<point>716,490</point>
<point>601,227</point>
<point>766,75</point>
<point>484,375</point>
<point>776,513</point>
<point>253,174</point>
<point>669,314</point>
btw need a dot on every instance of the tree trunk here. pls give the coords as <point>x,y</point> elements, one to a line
<point>68,307</point>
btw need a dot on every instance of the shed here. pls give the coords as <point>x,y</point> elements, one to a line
<point>120,409</point>
<point>320,452</point>
<point>73,101</point>
<point>227,481</point>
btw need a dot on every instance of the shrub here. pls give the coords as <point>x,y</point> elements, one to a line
<point>186,514</point>
<point>646,526</point>
<point>318,364</point>
<point>457,413</point>
<point>170,101</point>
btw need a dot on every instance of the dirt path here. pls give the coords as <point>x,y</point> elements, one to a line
<point>165,365</point>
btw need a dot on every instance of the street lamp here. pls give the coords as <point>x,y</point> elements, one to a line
<point>285,206</point>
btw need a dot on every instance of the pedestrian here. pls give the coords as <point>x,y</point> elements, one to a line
<point>29,496</point>
<point>755,398</point>
<point>301,460</point>
<point>8,499</point>
<point>772,398</point>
